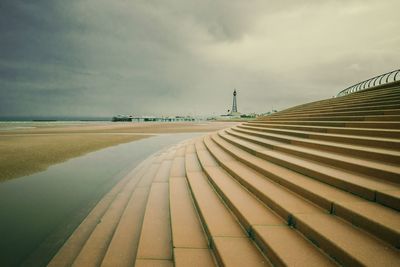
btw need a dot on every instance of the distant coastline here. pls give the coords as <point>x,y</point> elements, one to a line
<point>52,118</point>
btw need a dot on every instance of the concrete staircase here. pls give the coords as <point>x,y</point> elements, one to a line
<point>313,185</point>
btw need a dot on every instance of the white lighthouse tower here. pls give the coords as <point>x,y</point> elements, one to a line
<point>234,110</point>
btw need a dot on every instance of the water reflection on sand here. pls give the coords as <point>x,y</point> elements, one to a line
<point>38,212</point>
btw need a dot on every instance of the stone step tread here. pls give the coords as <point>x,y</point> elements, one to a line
<point>184,257</point>
<point>338,112</point>
<point>379,167</point>
<point>284,176</point>
<point>92,253</point>
<point>217,219</point>
<point>369,241</point>
<point>311,134</point>
<point>390,198</point>
<point>383,221</point>
<point>96,246</point>
<point>258,214</point>
<point>238,252</point>
<point>71,248</point>
<point>324,143</point>
<point>205,157</point>
<point>153,263</point>
<point>327,129</point>
<point>221,224</point>
<point>346,178</point>
<point>341,118</point>
<point>149,175</point>
<point>241,200</point>
<point>191,162</point>
<point>393,109</point>
<point>163,171</point>
<point>285,247</point>
<point>288,202</point>
<point>362,124</point>
<point>187,231</point>
<point>357,101</point>
<point>361,101</point>
<point>180,151</point>
<point>155,238</point>
<point>341,239</point>
<point>178,167</point>
<point>341,109</point>
<point>123,246</point>
<point>354,101</point>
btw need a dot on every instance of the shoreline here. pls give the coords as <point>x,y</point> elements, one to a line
<point>27,151</point>
<point>27,154</point>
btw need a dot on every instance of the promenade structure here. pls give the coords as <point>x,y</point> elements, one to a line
<point>313,185</point>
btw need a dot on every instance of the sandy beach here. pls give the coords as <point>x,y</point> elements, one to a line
<point>28,150</point>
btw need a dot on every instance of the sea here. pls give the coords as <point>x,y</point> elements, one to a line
<point>15,123</point>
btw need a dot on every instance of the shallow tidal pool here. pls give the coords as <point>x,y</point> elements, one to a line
<point>38,212</point>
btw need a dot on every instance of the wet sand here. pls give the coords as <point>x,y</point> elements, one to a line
<point>26,154</point>
<point>26,151</point>
<point>147,127</point>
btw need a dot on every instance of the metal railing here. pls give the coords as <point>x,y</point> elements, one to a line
<point>385,78</point>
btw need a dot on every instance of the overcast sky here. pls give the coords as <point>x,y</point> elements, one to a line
<point>102,57</point>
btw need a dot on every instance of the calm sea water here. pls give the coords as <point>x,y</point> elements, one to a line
<point>38,212</point>
<point>14,125</point>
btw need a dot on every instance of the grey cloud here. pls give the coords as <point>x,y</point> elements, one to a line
<point>99,58</point>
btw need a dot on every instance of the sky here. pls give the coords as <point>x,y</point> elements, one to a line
<point>181,57</point>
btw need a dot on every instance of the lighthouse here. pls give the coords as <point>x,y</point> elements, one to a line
<point>234,110</point>
<point>234,104</point>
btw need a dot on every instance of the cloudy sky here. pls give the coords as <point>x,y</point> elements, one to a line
<point>102,57</point>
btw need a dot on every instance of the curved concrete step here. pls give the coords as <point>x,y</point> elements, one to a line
<point>155,238</point>
<point>362,186</point>
<point>228,240</point>
<point>318,113</point>
<point>350,118</point>
<point>355,102</point>
<point>190,243</point>
<point>72,247</point>
<point>376,169</point>
<point>155,244</point>
<point>348,101</point>
<point>124,244</point>
<point>261,222</point>
<point>363,95</point>
<point>379,220</point>
<point>345,109</point>
<point>97,244</point>
<point>295,209</point>
<point>379,142</point>
<point>337,107</point>
<point>385,133</point>
<point>337,146</point>
<point>352,124</point>
<point>122,248</point>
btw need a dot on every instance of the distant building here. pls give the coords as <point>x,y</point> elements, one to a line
<point>234,111</point>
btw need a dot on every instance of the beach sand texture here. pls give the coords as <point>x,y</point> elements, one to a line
<point>26,151</point>
<point>22,155</point>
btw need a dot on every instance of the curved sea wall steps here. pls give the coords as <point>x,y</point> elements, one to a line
<point>93,242</point>
<point>357,132</point>
<point>362,98</point>
<point>331,153</point>
<point>72,247</point>
<point>314,185</point>
<point>319,193</point>
<point>380,142</point>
